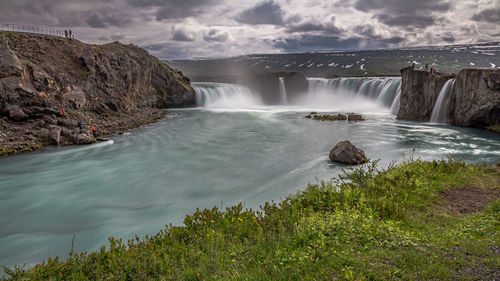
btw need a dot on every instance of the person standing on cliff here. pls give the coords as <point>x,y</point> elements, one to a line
<point>65,33</point>
<point>70,33</point>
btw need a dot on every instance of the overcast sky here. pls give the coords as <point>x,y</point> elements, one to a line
<point>220,28</point>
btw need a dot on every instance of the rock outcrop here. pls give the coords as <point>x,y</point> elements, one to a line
<point>474,98</point>
<point>345,152</point>
<point>49,84</point>
<point>336,117</point>
<point>419,92</point>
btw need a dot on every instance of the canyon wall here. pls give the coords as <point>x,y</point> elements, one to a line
<point>474,98</point>
<point>53,90</point>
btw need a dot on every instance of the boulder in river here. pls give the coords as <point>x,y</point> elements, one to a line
<point>355,117</point>
<point>345,152</point>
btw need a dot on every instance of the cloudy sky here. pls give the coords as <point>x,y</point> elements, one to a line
<point>220,28</point>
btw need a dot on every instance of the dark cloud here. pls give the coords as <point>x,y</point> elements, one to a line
<point>168,50</point>
<point>268,12</point>
<point>311,27</point>
<point>404,13</point>
<point>367,32</point>
<point>181,35</point>
<point>315,42</point>
<point>449,39</point>
<point>392,40</point>
<point>413,21</point>
<point>117,37</point>
<point>175,9</point>
<point>154,47</point>
<point>97,21</point>
<point>214,35</point>
<point>403,6</point>
<point>489,15</point>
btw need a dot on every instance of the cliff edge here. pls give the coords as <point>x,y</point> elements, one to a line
<point>54,90</point>
<point>474,99</point>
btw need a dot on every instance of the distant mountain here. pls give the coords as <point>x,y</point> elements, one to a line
<point>349,63</point>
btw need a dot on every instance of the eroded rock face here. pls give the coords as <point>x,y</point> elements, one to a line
<point>419,92</point>
<point>112,87</point>
<point>474,99</point>
<point>345,152</point>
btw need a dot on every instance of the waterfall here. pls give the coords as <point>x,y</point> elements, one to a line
<point>383,90</point>
<point>440,110</point>
<point>222,95</point>
<point>396,102</point>
<point>283,97</point>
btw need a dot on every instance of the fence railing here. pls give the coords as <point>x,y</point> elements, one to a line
<point>32,29</point>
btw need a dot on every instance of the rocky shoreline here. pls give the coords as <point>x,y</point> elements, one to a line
<point>18,137</point>
<point>61,91</point>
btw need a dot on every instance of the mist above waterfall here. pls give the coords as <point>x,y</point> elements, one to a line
<point>363,95</point>
<point>224,96</point>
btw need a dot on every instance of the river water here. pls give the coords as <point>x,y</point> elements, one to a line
<point>230,149</point>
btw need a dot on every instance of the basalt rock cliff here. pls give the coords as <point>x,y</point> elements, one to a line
<point>48,85</point>
<point>474,100</point>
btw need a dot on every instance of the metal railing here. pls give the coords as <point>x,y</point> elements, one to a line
<point>32,29</point>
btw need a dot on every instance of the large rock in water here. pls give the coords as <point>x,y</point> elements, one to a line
<point>345,152</point>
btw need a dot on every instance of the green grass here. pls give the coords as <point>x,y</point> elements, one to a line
<point>368,224</point>
<point>494,128</point>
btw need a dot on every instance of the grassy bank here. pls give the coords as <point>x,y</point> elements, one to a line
<point>418,220</point>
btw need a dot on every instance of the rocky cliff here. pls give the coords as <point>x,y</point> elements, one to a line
<point>48,85</point>
<point>474,98</point>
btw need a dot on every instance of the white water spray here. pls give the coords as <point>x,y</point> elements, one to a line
<point>384,91</point>
<point>283,96</point>
<point>222,95</point>
<point>440,110</point>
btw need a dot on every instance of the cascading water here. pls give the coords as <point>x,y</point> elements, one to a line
<point>366,94</point>
<point>283,97</point>
<point>385,91</point>
<point>440,110</point>
<point>222,95</point>
<point>395,103</point>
